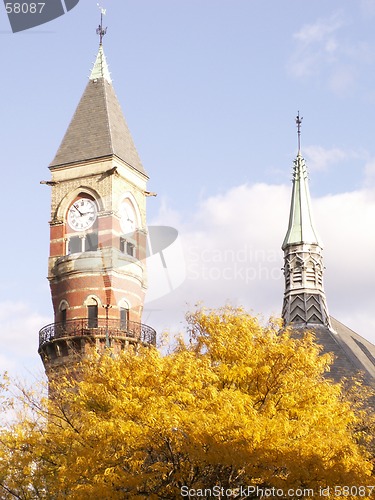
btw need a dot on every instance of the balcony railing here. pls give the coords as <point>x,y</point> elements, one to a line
<point>101,327</point>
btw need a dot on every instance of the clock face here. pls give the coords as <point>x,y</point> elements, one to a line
<point>127,218</point>
<point>82,214</point>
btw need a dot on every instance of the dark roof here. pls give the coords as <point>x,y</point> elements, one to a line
<point>353,354</point>
<point>98,129</point>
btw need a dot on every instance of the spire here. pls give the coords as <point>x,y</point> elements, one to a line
<point>98,128</point>
<point>100,69</point>
<point>301,227</point>
<point>305,305</point>
<point>304,298</point>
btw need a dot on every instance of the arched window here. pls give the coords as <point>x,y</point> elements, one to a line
<point>124,315</point>
<point>92,313</point>
<point>64,306</point>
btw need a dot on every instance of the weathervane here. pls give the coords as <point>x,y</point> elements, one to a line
<point>299,122</point>
<point>100,30</point>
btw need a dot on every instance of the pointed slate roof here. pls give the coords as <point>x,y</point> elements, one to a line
<point>301,227</point>
<point>353,354</point>
<point>98,128</point>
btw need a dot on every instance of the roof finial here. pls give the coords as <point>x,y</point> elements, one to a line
<point>100,30</point>
<point>299,122</point>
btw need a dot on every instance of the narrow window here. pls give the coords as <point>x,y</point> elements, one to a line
<point>130,249</point>
<point>75,244</point>
<point>122,245</point>
<point>92,312</point>
<point>127,247</point>
<point>91,242</point>
<point>63,308</point>
<point>124,318</point>
<point>63,317</point>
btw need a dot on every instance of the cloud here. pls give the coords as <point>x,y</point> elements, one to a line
<point>19,327</point>
<point>320,158</point>
<point>324,53</point>
<point>321,31</point>
<point>316,45</point>
<point>232,255</point>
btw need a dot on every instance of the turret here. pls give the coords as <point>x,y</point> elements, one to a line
<point>304,297</point>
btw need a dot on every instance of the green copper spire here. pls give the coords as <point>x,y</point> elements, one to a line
<point>301,228</point>
<point>100,69</point>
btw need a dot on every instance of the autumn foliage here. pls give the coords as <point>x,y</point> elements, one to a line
<point>237,405</point>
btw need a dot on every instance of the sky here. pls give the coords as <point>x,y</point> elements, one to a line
<point>210,90</point>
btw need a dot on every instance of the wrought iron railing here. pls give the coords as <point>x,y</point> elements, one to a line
<point>113,328</point>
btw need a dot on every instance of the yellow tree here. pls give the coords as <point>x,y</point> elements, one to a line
<point>240,409</point>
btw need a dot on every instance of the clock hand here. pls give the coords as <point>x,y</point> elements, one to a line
<point>78,210</point>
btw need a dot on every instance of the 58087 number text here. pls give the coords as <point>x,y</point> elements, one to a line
<point>24,8</point>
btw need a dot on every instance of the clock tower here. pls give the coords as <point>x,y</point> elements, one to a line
<point>96,269</point>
